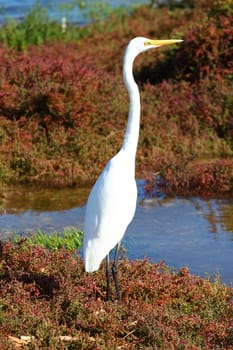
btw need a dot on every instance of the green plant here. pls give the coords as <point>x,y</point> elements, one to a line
<point>37,28</point>
<point>70,239</point>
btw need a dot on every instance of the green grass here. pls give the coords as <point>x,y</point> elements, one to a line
<point>38,28</point>
<point>35,29</point>
<point>70,239</point>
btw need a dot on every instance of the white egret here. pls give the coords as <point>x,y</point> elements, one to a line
<point>112,201</point>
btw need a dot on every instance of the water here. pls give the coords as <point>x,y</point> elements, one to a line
<point>192,232</point>
<point>57,9</point>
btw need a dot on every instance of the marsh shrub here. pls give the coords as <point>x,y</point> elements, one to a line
<point>45,294</point>
<point>64,108</point>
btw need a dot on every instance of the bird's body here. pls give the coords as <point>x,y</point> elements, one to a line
<point>110,209</point>
<point>112,202</point>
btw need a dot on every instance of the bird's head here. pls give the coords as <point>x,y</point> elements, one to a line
<point>141,44</point>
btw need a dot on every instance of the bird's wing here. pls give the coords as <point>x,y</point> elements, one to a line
<point>110,208</point>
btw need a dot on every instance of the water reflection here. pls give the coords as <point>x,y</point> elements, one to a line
<point>219,214</point>
<point>20,199</point>
<point>225,217</point>
<point>194,232</point>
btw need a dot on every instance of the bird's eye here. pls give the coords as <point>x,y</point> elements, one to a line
<point>147,43</point>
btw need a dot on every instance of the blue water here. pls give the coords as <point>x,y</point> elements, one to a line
<point>192,232</point>
<point>56,8</point>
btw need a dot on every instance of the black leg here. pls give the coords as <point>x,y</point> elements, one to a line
<point>115,271</point>
<point>108,277</point>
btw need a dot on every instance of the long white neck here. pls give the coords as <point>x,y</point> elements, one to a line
<point>132,131</point>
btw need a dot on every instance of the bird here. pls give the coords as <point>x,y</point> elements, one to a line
<point>112,201</point>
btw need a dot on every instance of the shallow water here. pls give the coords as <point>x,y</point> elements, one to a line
<point>194,232</point>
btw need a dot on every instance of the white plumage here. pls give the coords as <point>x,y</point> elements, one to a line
<point>112,202</point>
<point>109,210</point>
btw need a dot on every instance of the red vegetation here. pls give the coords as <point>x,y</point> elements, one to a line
<point>63,107</point>
<point>45,295</point>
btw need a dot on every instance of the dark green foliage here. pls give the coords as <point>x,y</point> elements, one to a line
<point>46,295</point>
<point>63,106</point>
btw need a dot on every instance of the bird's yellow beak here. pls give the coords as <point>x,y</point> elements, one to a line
<point>162,42</point>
